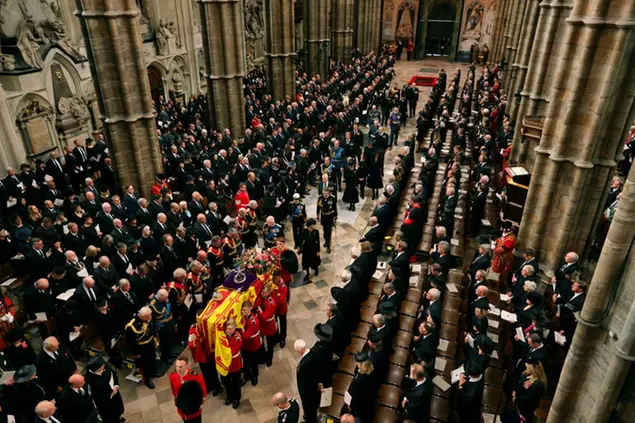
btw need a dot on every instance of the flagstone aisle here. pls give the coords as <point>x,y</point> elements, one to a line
<point>305,311</point>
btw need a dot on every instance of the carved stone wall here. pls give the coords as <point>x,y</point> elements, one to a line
<point>254,33</point>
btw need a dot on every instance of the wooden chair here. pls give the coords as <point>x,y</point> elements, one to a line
<point>389,396</point>
<point>385,414</point>
<point>409,308</point>
<point>395,375</point>
<point>400,357</point>
<point>347,365</point>
<point>356,345</point>
<point>335,409</point>
<point>341,382</point>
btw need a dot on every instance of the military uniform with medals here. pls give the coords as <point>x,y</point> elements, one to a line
<point>164,322</point>
<point>141,340</point>
<point>327,207</point>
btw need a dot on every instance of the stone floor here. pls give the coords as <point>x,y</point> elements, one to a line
<point>306,309</point>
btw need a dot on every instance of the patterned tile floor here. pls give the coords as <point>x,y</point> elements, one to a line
<point>306,309</point>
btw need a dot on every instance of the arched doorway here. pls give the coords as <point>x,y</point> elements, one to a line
<point>156,83</point>
<point>440,29</point>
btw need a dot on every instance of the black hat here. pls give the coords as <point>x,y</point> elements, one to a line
<point>310,222</point>
<point>100,302</point>
<point>14,335</point>
<point>190,397</point>
<point>387,307</point>
<point>361,356</point>
<point>485,343</point>
<point>95,363</point>
<point>506,225</point>
<point>24,373</point>
<point>532,360</point>
<point>68,191</point>
<point>374,337</point>
<point>323,332</point>
<point>160,177</point>
<point>535,297</point>
<point>60,270</point>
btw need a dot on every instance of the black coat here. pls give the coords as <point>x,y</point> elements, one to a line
<point>110,409</point>
<point>470,398</point>
<point>54,373</point>
<point>38,302</point>
<point>363,392</point>
<point>76,408</point>
<point>418,405</point>
<point>310,373</point>
<point>310,249</point>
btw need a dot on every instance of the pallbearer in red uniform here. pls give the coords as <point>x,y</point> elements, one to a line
<point>205,360</point>
<point>183,374</point>
<point>277,252</point>
<point>232,380</point>
<point>252,344</point>
<point>242,197</point>
<point>266,314</point>
<point>281,296</point>
<point>216,260</point>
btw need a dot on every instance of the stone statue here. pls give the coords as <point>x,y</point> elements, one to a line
<point>7,61</point>
<point>253,19</point>
<point>74,106</point>
<point>29,44</point>
<point>164,36</point>
<point>177,81</point>
<point>174,30</point>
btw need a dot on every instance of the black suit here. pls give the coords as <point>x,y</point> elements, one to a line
<point>310,373</point>
<point>36,301</point>
<point>39,264</point>
<point>195,208</point>
<point>480,262</point>
<point>85,303</point>
<point>121,265</point>
<point>123,307</point>
<point>533,263</point>
<point>341,334</point>
<point>106,278</point>
<point>122,235</point>
<point>419,396</point>
<point>425,348</point>
<point>400,266</point>
<point>75,242</point>
<point>170,259</point>
<point>75,407</point>
<point>434,311</point>
<point>130,204</point>
<point>375,237</point>
<point>106,224</point>
<point>54,372</point>
<point>144,217</point>
<point>201,233</point>
<point>159,230</point>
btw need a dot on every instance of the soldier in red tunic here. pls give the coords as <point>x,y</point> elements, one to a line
<point>503,257</point>
<point>232,380</point>
<point>280,296</point>
<point>242,197</point>
<point>277,252</point>
<point>178,377</point>
<point>266,315</point>
<point>205,360</point>
<point>252,344</point>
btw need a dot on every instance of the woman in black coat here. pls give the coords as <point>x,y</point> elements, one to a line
<point>104,388</point>
<point>530,388</point>
<point>310,249</point>
<point>363,390</point>
<point>470,396</point>
<point>351,195</point>
<point>375,181</point>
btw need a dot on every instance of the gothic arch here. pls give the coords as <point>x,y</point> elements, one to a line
<point>157,74</point>
<point>56,55</point>
<point>35,120</point>
<point>178,78</point>
<point>436,14</point>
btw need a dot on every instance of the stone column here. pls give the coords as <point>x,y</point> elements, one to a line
<point>375,25</point>
<point>522,57</point>
<point>342,29</point>
<point>222,28</point>
<point>316,37</point>
<point>549,35</point>
<point>591,106</point>
<point>499,40</point>
<point>280,48</point>
<point>362,34</point>
<point>12,153</point>
<point>581,358</point>
<point>185,17</point>
<point>513,46</point>
<point>113,45</point>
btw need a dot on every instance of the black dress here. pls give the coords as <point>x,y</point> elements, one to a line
<point>110,409</point>
<point>528,397</point>
<point>351,196</point>
<point>470,397</point>
<point>310,249</point>
<point>374,174</point>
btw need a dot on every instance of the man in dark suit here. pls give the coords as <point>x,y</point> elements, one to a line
<point>478,281</point>
<point>121,261</point>
<point>130,201</point>
<point>105,219</point>
<point>91,205</point>
<point>390,295</point>
<point>203,230</point>
<point>108,176</point>
<point>481,260</point>
<point>86,295</point>
<point>74,240</point>
<point>54,168</point>
<point>143,215</point>
<point>76,404</point>
<point>37,258</point>
<point>196,206</point>
<point>417,395</point>
<point>54,366</point>
<point>374,235</point>
<point>106,275</point>
<point>121,234</point>
<point>380,328</point>
<point>400,266</point>
<point>310,376</point>
<point>480,301</point>
<point>442,256</point>
<point>341,333</point>
<point>378,354</point>
<point>124,303</point>
<point>562,278</point>
<point>38,298</point>
<point>569,307</point>
<point>214,219</point>
<point>161,227</point>
<point>425,345</point>
<point>169,256</point>
<point>156,207</point>
<point>529,259</point>
<point>382,213</point>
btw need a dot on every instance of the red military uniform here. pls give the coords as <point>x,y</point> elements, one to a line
<point>157,187</point>
<point>235,343</point>
<point>251,334</point>
<point>266,313</point>
<point>176,380</point>
<point>504,253</point>
<point>407,220</point>
<point>195,344</point>
<point>280,296</point>
<point>241,200</point>
<point>284,274</point>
